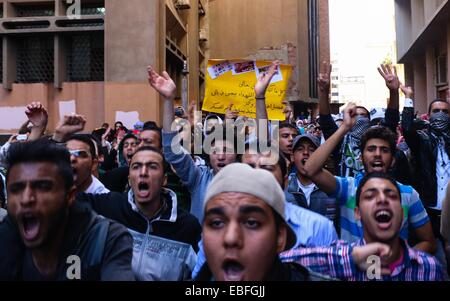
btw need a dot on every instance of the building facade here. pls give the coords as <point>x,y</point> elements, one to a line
<point>293,31</point>
<point>90,56</point>
<point>423,45</point>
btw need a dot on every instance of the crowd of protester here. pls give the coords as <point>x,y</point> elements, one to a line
<point>310,198</point>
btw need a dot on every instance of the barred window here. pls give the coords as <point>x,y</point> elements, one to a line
<point>35,59</point>
<point>86,57</point>
<point>34,11</point>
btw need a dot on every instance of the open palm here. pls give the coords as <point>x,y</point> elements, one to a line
<point>265,78</point>
<point>163,84</point>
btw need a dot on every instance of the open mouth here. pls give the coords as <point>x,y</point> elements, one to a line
<point>378,166</point>
<point>304,161</point>
<point>383,218</point>
<point>31,226</point>
<point>233,271</point>
<point>143,190</point>
<point>221,165</point>
<point>74,170</point>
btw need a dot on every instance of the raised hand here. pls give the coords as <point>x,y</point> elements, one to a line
<point>265,78</point>
<point>231,114</point>
<point>408,91</point>
<point>350,116</point>
<point>324,79</point>
<point>163,84</point>
<point>288,113</point>
<point>37,114</point>
<point>389,73</point>
<point>106,134</point>
<point>69,125</point>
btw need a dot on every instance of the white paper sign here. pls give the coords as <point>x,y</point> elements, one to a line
<point>12,118</point>
<point>67,108</point>
<point>278,77</point>
<point>127,118</point>
<point>219,69</point>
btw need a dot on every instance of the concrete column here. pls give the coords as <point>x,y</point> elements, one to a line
<point>193,52</point>
<point>9,62</point>
<point>420,85</point>
<point>430,74</point>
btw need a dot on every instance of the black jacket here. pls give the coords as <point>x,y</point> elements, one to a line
<point>116,206</point>
<point>164,246</point>
<point>424,149</point>
<point>103,247</point>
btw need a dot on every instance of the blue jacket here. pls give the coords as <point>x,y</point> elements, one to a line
<point>195,178</point>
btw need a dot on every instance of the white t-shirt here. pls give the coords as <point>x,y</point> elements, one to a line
<point>97,187</point>
<point>307,190</point>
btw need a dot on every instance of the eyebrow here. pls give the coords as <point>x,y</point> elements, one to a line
<point>252,209</point>
<point>215,211</point>
<point>384,190</point>
<point>145,163</point>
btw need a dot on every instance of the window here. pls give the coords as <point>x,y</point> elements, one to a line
<point>35,59</point>
<point>441,67</point>
<point>86,57</point>
<point>335,78</point>
<point>313,37</point>
<point>34,11</point>
<point>335,94</point>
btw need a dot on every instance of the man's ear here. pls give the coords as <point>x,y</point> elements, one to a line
<point>393,161</point>
<point>357,214</point>
<point>282,238</point>
<point>164,184</point>
<point>94,165</point>
<point>71,195</point>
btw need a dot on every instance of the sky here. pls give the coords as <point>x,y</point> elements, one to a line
<point>362,35</point>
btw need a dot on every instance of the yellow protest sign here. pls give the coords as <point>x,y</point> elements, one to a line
<point>233,81</point>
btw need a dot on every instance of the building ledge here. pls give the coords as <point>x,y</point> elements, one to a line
<point>431,33</point>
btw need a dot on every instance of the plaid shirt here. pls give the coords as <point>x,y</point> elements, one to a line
<point>337,262</point>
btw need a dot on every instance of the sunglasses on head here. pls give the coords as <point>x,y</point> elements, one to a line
<point>79,153</point>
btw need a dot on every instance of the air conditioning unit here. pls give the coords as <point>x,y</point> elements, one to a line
<point>441,70</point>
<point>182,4</point>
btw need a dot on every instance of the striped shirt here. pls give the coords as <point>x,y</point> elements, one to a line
<point>337,262</point>
<point>352,230</point>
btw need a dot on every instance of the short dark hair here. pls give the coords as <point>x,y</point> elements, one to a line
<point>363,108</point>
<point>224,128</point>
<point>378,175</point>
<point>435,101</point>
<point>287,125</point>
<point>379,132</point>
<point>151,126</point>
<point>86,139</point>
<point>155,150</point>
<point>281,158</point>
<point>42,150</point>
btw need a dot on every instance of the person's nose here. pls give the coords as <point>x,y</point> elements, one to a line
<point>233,235</point>
<point>28,196</point>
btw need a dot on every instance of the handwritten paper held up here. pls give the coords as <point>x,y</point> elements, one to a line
<point>233,81</point>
